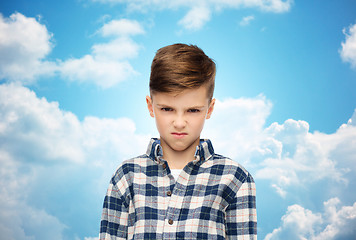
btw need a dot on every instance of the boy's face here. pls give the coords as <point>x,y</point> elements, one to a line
<point>180,118</point>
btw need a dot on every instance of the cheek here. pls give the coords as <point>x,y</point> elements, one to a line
<point>161,122</point>
<point>198,123</point>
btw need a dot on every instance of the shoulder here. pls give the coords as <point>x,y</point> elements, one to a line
<point>131,166</point>
<point>221,165</point>
<point>136,162</point>
<point>237,181</point>
<point>229,167</point>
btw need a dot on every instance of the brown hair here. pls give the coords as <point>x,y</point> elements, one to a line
<point>179,67</point>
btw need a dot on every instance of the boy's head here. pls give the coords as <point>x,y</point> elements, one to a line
<point>180,67</point>
<point>181,87</point>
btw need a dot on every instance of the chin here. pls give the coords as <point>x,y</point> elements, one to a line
<point>179,148</point>
<point>183,147</point>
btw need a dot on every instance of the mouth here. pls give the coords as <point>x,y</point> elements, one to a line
<point>179,135</point>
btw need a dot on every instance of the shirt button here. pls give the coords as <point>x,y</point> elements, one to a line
<point>164,165</point>
<point>170,221</point>
<point>169,193</point>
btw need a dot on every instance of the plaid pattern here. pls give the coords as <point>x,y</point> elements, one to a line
<point>213,198</point>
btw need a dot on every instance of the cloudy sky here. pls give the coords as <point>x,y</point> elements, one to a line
<point>73,80</point>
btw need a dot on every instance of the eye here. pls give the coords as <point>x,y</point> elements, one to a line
<point>166,109</point>
<point>193,110</point>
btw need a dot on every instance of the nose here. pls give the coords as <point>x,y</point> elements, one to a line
<point>179,121</point>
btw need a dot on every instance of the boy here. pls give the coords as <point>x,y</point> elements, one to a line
<point>180,189</point>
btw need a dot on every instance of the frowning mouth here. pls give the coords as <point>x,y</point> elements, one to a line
<point>179,135</point>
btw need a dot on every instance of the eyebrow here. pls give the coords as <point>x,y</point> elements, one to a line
<point>167,106</point>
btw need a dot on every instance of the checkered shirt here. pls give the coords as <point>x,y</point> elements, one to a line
<point>213,198</point>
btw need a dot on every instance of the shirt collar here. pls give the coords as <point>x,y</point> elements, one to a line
<point>203,152</point>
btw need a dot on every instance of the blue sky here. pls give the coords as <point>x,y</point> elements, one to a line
<point>73,81</point>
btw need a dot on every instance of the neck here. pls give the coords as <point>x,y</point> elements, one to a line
<point>179,159</point>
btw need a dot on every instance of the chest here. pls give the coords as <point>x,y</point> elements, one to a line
<point>187,189</point>
<point>166,206</point>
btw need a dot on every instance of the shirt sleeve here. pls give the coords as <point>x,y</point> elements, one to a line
<point>241,217</point>
<point>114,219</point>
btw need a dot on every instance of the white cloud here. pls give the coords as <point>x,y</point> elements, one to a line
<point>279,189</point>
<point>297,223</point>
<point>122,27</point>
<point>277,6</point>
<point>348,48</point>
<point>24,44</point>
<point>51,160</point>
<point>196,18</point>
<point>199,12</point>
<point>246,20</point>
<point>108,63</point>
<point>32,128</point>
<point>340,222</point>
<point>300,223</point>
<point>297,155</point>
<point>118,49</point>
<point>104,73</point>
<point>18,220</point>
<point>236,127</point>
<point>91,238</point>
<point>287,155</point>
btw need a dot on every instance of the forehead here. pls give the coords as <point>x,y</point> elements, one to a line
<point>197,96</point>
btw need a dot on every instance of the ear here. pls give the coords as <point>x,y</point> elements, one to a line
<point>150,106</point>
<point>210,109</point>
